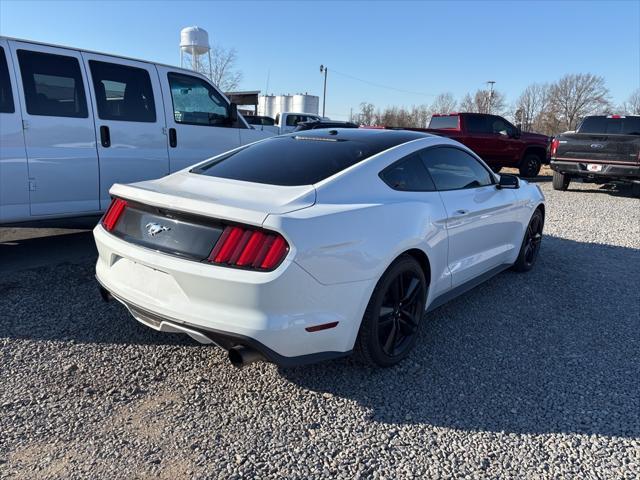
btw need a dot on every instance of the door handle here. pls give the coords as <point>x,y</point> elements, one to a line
<point>173,138</point>
<point>460,213</point>
<point>105,136</point>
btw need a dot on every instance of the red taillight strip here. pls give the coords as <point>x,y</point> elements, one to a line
<point>250,252</point>
<point>113,213</point>
<point>275,254</point>
<point>249,248</point>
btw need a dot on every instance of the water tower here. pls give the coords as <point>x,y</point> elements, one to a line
<point>195,52</point>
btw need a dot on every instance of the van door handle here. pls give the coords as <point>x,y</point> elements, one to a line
<point>173,138</point>
<point>105,136</point>
<point>460,213</point>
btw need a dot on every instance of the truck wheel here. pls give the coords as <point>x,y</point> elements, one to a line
<point>635,189</point>
<point>530,165</point>
<point>560,181</point>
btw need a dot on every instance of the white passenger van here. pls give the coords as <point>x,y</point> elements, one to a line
<point>74,122</point>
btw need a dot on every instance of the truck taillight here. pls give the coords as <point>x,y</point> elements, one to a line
<point>554,146</point>
<point>249,248</point>
<point>113,213</point>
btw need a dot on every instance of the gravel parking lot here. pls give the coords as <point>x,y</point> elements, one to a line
<point>528,376</point>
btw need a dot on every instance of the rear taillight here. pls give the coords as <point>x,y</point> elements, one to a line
<point>554,146</point>
<point>249,248</point>
<point>113,213</point>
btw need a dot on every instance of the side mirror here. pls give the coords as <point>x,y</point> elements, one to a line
<point>508,181</point>
<point>233,113</point>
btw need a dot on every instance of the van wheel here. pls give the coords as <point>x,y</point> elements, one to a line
<point>392,320</point>
<point>530,165</point>
<point>560,181</point>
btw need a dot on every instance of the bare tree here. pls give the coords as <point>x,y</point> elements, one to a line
<point>577,95</point>
<point>632,105</point>
<point>444,103</point>
<point>223,68</point>
<point>467,104</point>
<point>366,115</point>
<point>484,101</point>
<point>531,104</point>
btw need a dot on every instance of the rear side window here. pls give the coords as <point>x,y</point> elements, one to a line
<point>122,92</point>
<point>477,124</point>
<point>408,175</point>
<point>611,125</point>
<point>448,121</point>
<point>195,102</point>
<point>52,84</point>
<point>454,169</point>
<point>289,161</point>
<point>6,97</point>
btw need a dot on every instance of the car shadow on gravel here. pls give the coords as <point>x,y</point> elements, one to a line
<point>556,350</point>
<point>62,303</point>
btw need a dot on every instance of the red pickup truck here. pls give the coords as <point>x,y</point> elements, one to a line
<point>494,139</point>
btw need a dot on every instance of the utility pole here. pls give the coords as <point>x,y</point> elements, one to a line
<point>490,102</point>
<point>324,70</point>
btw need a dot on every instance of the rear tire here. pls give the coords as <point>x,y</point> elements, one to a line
<point>392,320</point>
<point>530,165</point>
<point>560,181</point>
<point>635,190</point>
<point>530,243</point>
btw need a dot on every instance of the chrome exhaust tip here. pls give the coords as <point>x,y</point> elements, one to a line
<point>239,356</point>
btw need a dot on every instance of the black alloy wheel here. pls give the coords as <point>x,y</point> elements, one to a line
<point>400,313</point>
<point>391,322</point>
<point>531,243</point>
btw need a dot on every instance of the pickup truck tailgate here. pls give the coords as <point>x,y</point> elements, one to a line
<point>599,148</point>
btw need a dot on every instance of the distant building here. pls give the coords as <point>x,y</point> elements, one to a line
<point>271,105</point>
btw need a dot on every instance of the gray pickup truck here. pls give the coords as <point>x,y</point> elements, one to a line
<point>604,148</point>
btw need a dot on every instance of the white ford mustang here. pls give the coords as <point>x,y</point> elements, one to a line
<point>309,246</point>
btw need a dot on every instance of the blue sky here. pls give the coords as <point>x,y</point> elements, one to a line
<point>418,48</point>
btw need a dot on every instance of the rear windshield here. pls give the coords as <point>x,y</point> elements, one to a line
<point>449,121</point>
<point>302,159</point>
<point>610,125</point>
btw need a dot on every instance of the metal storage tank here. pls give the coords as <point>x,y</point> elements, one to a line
<point>271,105</point>
<point>305,103</point>
<point>194,40</point>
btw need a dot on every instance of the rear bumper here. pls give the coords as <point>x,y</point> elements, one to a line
<point>609,172</point>
<point>267,311</point>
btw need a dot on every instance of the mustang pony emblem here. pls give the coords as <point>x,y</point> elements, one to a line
<point>155,228</point>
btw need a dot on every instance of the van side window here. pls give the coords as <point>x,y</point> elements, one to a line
<point>122,92</point>
<point>195,102</point>
<point>52,85</point>
<point>6,97</point>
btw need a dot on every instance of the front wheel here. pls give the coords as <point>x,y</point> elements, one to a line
<point>530,243</point>
<point>530,165</point>
<point>391,322</point>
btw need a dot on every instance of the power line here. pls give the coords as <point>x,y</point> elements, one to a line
<point>379,85</point>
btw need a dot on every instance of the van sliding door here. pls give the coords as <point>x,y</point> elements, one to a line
<point>129,121</point>
<point>58,129</point>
